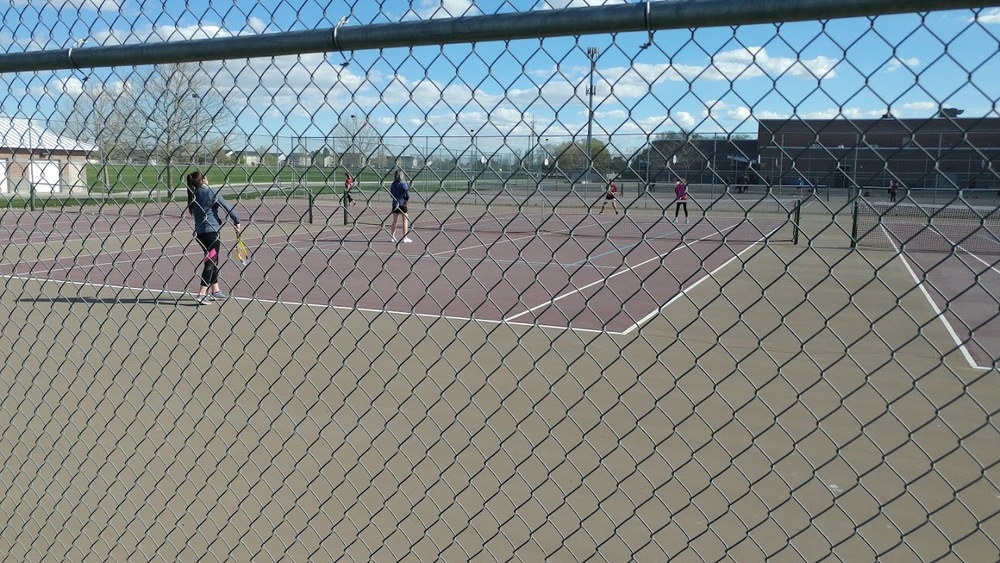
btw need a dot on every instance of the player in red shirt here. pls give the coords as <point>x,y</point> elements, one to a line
<point>348,186</point>
<point>610,195</point>
<point>681,193</point>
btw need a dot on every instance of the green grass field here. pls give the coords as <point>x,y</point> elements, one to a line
<point>123,178</point>
<point>130,179</point>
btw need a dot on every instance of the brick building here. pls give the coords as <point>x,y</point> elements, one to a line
<point>932,153</point>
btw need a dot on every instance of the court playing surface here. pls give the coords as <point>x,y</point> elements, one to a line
<point>580,270</point>
<point>678,391</point>
<point>598,272</point>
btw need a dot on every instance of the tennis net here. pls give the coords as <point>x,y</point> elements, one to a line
<point>725,218</point>
<point>957,226</point>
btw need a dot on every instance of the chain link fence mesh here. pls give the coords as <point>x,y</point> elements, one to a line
<point>799,362</point>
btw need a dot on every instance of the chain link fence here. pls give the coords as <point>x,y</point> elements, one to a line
<point>776,337</point>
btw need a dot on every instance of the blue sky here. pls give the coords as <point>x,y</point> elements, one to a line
<point>709,80</point>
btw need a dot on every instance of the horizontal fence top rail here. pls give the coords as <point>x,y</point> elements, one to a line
<point>650,16</point>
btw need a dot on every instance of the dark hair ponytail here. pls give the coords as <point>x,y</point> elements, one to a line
<point>194,180</point>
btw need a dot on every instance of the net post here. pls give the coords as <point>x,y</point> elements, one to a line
<point>854,225</point>
<point>797,221</point>
<point>310,198</point>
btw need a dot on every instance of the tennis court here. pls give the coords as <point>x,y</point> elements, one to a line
<point>568,267</point>
<point>951,251</point>
<point>499,260</point>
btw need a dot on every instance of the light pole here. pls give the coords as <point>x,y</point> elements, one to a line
<point>592,53</point>
<point>354,132</point>
<point>475,161</point>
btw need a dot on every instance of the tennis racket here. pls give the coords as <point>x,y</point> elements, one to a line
<point>242,252</point>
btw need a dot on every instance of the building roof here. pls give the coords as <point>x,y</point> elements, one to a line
<point>25,134</point>
<point>934,123</point>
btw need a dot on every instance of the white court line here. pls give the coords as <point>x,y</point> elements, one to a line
<point>930,300</point>
<point>657,257</point>
<point>95,264</point>
<point>965,250</point>
<point>297,304</point>
<point>685,290</point>
<point>627,269</point>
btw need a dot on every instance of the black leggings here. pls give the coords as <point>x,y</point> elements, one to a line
<point>209,242</point>
<point>677,210</point>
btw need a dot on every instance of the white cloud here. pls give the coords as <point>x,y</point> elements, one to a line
<point>990,16</point>
<point>95,5</point>
<point>754,62</point>
<point>560,4</point>
<point>72,86</point>
<point>897,63</point>
<point>715,109</point>
<point>770,115</point>
<point>739,114</point>
<point>430,9</point>
<point>921,106</point>
<point>683,119</point>
<point>850,113</point>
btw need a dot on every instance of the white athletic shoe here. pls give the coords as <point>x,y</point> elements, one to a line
<point>686,220</point>
<point>393,239</point>
<point>407,239</point>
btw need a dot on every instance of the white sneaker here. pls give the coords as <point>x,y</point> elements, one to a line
<point>675,220</point>
<point>393,239</point>
<point>203,300</point>
<point>686,220</point>
<point>407,239</point>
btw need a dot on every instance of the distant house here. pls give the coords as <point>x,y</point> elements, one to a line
<point>300,159</point>
<point>249,157</point>
<point>32,156</point>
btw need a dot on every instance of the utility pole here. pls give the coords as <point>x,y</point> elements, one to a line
<point>592,53</point>
<point>475,161</point>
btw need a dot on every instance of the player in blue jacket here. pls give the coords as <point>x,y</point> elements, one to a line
<point>203,204</point>
<point>400,193</point>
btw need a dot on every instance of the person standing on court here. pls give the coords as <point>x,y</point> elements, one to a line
<point>348,186</point>
<point>610,195</point>
<point>203,204</point>
<point>400,194</point>
<point>893,189</point>
<point>681,195</point>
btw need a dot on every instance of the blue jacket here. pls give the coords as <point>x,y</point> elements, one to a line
<point>400,193</point>
<point>205,208</point>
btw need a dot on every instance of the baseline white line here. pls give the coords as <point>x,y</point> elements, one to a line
<point>930,300</point>
<point>308,305</point>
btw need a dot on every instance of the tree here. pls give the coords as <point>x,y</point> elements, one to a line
<point>572,155</point>
<point>181,113</point>
<point>356,141</point>
<point>101,115</point>
<point>676,148</point>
